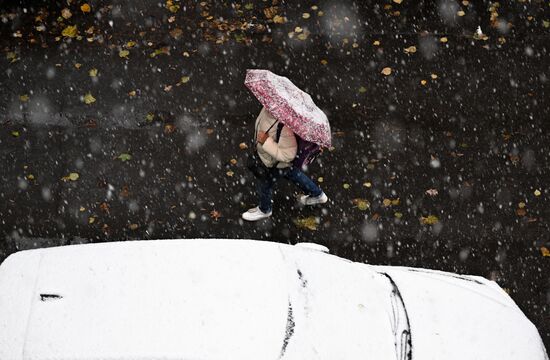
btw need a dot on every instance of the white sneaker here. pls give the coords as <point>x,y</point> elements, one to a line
<point>313,200</point>
<point>255,214</point>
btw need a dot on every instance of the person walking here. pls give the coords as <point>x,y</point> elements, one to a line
<point>277,147</point>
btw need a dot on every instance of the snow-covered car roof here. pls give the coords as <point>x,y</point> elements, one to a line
<point>183,299</point>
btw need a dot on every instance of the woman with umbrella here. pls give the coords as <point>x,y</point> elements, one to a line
<point>288,119</point>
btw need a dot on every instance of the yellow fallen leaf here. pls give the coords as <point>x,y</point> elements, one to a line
<point>361,204</point>
<point>149,117</point>
<point>24,98</point>
<point>386,202</point>
<point>443,39</point>
<point>82,209</point>
<point>91,219</point>
<point>395,202</point>
<point>320,179</point>
<point>398,1</point>
<point>410,49</point>
<point>92,72</point>
<point>124,54</point>
<point>521,205</point>
<point>279,19</point>
<point>89,99</point>
<point>367,184</point>
<point>433,76</point>
<point>132,93</point>
<point>398,215</point>
<point>15,133</point>
<point>12,57</point>
<point>346,186</point>
<point>461,13</point>
<point>72,177</point>
<point>423,82</point>
<point>537,192</point>
<point>324,62</point>
<point>184,80</point>
<point>303,36</point>
<point>306,15</point>
<point>386,71</point>
<point>133,226</point>
<point>70,31</point>
<point>298,29</point>
<point>233,161</point>
<point>309,223</point>
<point>30,177</point>
<point>376,43</point>
<point>429,220</point>
<point>230,173</point>
<point>544,251</point>
<point>85,8</point>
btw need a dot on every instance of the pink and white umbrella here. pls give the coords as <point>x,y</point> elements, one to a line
<point>290,105</point>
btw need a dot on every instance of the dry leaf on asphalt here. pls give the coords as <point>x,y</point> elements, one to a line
<point>361,204</point>
<point>309,223</point>
<point>386,71</point>
<point>66,13</point>
<point>71,177</point>
<point>70,31</point>
<point>215,214</point>
<point>89,99</point>
<point>432,192</point>
<point>124,157</point>
<point>429,220</point>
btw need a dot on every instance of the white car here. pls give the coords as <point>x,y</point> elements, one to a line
<point>247,300</point>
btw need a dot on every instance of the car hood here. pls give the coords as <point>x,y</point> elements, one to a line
<point>456,317</point>
<point>190,299</point>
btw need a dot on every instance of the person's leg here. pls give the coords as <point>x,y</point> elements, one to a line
<point>265,190</point>
<point>265,193</point>
<point>303,182</point>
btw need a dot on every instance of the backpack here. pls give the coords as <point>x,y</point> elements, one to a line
<point>306,154</point>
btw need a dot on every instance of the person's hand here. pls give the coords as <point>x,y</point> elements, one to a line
<point>262,137</point>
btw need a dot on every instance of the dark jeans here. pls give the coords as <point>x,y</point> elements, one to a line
<point>265,186</point>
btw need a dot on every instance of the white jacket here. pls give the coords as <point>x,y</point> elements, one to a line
<point>271,152</point>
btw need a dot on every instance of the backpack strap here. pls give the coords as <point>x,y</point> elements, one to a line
<point>279,130</point>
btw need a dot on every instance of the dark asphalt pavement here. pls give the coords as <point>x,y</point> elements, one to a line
<point>442,164</point>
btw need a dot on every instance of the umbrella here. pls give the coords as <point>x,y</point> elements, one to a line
<point>290,105</point>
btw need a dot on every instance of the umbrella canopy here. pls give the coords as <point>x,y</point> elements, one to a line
<point>290,105</point>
